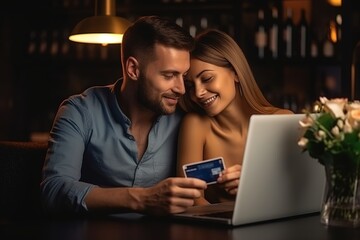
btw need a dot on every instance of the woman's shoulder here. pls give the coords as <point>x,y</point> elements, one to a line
<point>195,120</point>
<point>195,117</point>
<point>194,129</point>
<point>283,111</point>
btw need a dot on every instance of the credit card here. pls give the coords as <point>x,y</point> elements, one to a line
<point>207,170</point>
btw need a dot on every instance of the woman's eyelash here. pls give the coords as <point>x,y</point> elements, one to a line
<point>207,79</point>
<point>168,76</point>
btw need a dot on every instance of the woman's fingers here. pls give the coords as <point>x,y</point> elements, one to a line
<point>230,174</point>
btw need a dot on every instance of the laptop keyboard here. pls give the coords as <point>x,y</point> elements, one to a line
<point>227,214</point>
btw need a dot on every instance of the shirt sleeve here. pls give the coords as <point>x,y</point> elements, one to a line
<point>61,188</point>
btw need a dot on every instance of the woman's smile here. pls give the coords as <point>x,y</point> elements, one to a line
<point>209,101</point>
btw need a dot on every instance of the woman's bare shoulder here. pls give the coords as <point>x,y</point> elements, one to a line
<point>283,111</point>
<point>195,121</point>
<point>195,118</point>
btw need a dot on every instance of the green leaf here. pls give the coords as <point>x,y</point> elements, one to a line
<point>315,148</point>
<point>327,121</point>
<point>350,138</point>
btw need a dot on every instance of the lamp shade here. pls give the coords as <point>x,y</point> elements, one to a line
<point>103,28</point>
<point>336,3</point>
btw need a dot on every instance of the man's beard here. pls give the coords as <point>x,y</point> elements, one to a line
<point>150,101</point>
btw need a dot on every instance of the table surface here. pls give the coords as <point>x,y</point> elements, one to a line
<point>304,227</point>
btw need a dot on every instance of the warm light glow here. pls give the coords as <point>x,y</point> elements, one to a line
<point>336,3</point>
<point>338,19</point>
<point>333,34</point>
<point>99,38</point>
<point>103,28</point>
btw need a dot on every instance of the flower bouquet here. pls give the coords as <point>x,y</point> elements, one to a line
<point>331,134</point>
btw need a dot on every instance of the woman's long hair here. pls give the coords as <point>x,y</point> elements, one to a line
<point>218,48</point>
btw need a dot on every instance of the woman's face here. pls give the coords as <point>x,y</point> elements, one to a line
<point>210,86</point>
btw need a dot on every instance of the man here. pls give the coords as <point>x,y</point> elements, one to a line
<point>112,148</point>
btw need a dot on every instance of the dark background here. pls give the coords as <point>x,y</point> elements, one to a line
<point>40,67</point>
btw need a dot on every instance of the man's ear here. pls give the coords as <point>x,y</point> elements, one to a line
<point>132,68</point>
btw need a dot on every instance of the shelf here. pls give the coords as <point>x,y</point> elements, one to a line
<point>285,82</point>
<point>174,7</point>
<point>306,62</point>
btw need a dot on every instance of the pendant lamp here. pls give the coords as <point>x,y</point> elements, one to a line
<point>103,28</point>
<point>335,3</point>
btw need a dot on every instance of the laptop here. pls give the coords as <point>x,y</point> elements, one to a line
<point>278,180</point>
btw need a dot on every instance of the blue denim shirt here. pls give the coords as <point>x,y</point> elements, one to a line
<point>91,144</point>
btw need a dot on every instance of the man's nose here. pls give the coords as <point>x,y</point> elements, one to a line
<point>179,85</point>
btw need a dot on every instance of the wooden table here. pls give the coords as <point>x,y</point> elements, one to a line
<point>133,228</point>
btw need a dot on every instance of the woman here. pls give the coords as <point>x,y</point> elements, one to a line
<point>221,95</point>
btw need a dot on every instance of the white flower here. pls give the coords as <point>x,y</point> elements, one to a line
<point>323,100</point>
<point>354,118</point>
<point>347,127</point>
<point>302,142</point>
<point>336,108</point>
<point>353,106</point>
<point>340,123</point>
<point>317,108</point>
<point>320,135</point>
<point>306,122</point>
<point>335,130</point>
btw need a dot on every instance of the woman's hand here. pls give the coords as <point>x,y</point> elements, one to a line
<point>229,179</point>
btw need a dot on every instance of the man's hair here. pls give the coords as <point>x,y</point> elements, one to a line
<point>140,38</point>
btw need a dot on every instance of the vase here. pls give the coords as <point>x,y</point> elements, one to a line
<point>341,201</point>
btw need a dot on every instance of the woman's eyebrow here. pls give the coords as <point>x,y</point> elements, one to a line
<point>199,74</point>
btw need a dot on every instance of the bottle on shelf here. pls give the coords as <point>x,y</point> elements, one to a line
<point>274,33</point>
<point>330,39</point>
<point>338,20</point>
<point>65,46</point>
<point>179,21</point>
<point>54,45</point>
<point>192,30</point>
<point>290,102</point>
<point>288,32</point>
<point>203,23</point>
<point>104,52</point>
<point>260,35</point>
<point>355,73</point>
<point>79,51</point>
<point>303,36</point>
<point>91,51</point>
<point>43,47</point>
<point>31,50</point>
<point>314,47</point>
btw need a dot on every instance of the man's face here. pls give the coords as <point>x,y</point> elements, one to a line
<point>161,81</point>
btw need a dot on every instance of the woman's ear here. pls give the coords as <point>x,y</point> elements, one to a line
<point>132,68</point>
<point>236,78</point>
